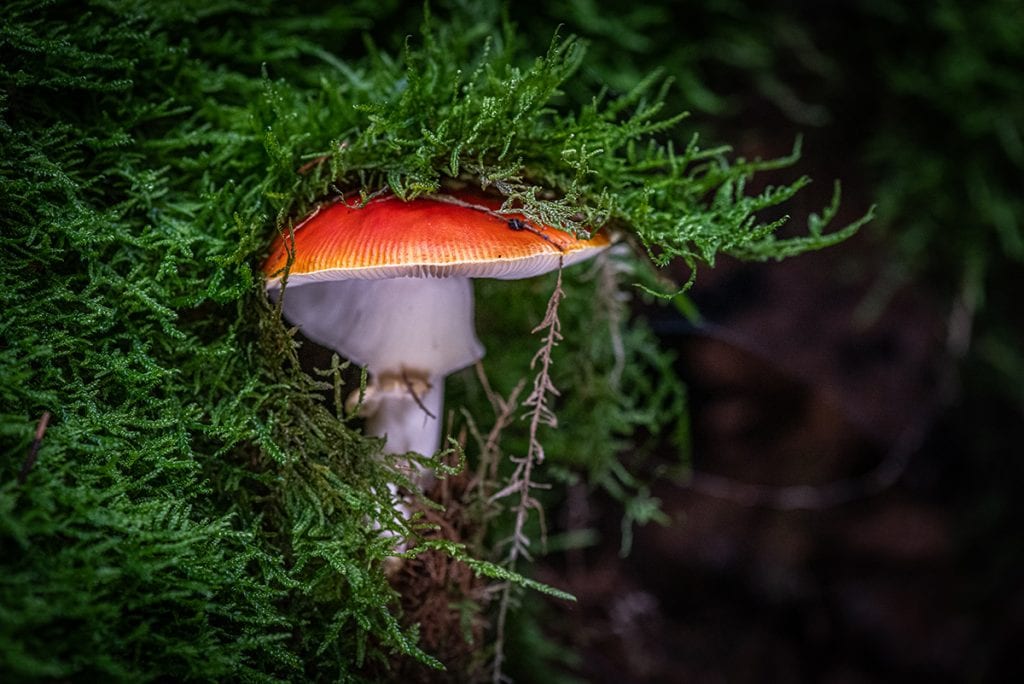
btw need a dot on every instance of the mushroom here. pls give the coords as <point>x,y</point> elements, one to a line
<point>386,284</point>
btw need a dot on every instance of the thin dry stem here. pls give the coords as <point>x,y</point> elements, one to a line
<point>504,415</point>
<point>415,397</point>
<point>521,482</point>
<point>516,224</point>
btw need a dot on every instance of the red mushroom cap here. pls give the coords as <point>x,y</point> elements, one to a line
<point>447,236</point>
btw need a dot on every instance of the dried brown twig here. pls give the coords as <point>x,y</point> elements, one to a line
<point>521,482</point>
<point>504,416</point>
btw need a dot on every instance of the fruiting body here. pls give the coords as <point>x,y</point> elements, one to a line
<point>387,285</point>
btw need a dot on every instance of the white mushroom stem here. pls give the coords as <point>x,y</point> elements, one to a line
<point>410,333</point>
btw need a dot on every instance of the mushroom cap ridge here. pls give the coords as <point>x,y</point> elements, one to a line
<point>424,237</point>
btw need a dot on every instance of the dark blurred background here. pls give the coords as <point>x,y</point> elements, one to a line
<point>856,414</point>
